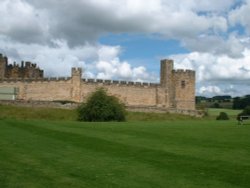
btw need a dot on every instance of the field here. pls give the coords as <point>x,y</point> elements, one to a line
<point>213,112</point>
<point>190,153</point>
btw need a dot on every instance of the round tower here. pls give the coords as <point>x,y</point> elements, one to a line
<point>76,77</point>
<point>3,64</point>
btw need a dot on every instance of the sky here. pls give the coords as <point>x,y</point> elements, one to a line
<point>126,39</point>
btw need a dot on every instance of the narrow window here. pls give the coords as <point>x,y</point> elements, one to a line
<point>183,84</point>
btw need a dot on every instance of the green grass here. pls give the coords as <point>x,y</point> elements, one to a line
<point>214,112</point>
<point>17,112</point>
<point>190,153</point>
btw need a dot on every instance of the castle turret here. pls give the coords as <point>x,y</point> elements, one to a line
<point>3,64</point>
<point>167,66</point>
<point>76,76</point>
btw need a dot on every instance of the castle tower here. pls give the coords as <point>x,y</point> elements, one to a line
<point>167,67</point>
<point>166,82</point>
<point>184,81</point>
<point>76,76</point>
<point>3,64</point>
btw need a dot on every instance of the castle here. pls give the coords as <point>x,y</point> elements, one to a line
<point>175,92</point>
<point>29,70</point>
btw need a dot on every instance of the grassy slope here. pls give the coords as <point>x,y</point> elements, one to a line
<point>216,111</point>
<point>16,112</point>
<point>38,153</point>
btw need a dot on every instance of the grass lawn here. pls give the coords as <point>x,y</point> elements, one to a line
<point>190,153</point>
<point>214,112</point>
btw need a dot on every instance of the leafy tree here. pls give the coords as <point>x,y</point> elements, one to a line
<point>245,112</point>
<point>241,103</point>
<point>222,116</point>
<point>216,105</point>
<point>101,107</point>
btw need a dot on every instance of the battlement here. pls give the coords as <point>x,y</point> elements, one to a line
<point>48,79</point>
<point>76,70</point>
<point>184,72</point>
<point>119,82</point>
<point>14,71</point>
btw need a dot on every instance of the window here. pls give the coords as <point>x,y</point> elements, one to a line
<point>183,84</point>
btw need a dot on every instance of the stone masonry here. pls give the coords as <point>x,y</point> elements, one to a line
<point>26,70</point>
<point>175,92</point>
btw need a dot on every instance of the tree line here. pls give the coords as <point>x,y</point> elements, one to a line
<point>235,102</point>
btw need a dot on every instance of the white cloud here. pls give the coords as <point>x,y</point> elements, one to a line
<point>216,68</point>
<point>97,61</point>
<point>44,21</point>
<point>20,21</point>
<point>61,34</point>
<point>208,90</point>
<point>216,74</point>
<point>109,66</point>
<point>241,16</point>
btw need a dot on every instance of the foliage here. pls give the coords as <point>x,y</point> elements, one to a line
<point>223,98</point>
<point>214,102</point>
<point>222,116</point>
<point>216,105</point>
<point>101,107</point>
<point>241,102</point>
<point>245,112</point>
<point>15,112</point>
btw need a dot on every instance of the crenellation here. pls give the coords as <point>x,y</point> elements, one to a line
<point>174,92</point>
<point>108,81</point>
<point>99,80</point>
<point>123,82</point>
<point>91,80</point>
<point>183,71</point>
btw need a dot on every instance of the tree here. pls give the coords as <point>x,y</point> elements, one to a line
<point>216,105</point>
<point>222,116</point>
<point>101,107</point>
<point>241,103</point>
<point>245,112</point>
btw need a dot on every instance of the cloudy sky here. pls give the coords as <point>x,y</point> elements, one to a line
<point>125,39</point>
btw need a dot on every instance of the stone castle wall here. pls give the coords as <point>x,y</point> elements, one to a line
<point>176,90</point>
<point>26,70</point>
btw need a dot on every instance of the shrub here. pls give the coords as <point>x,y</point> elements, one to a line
<point>245,112</point>
<point>101,107</point>
<point>222,116</point>
<point>216,105</point>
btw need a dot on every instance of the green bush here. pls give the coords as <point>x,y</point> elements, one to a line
<point>101,107</point>
<point>245,112</point>
<point>222,116</point>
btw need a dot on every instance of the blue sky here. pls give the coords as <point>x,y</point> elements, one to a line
<point>146,50</point>
<point>125,39</point>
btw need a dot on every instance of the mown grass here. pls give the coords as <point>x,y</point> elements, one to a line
<point>150,150</point>
<point>214,112</point>
<point>18,112</point>
<point>42,153</point>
